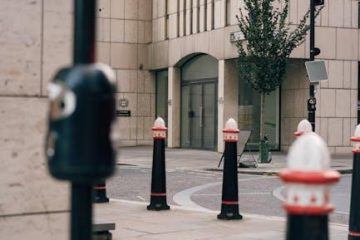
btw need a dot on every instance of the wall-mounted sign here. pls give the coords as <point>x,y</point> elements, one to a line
<point>123,102</point>
<point>221,100</point>
<point>123,113</point>
<point>236,36</point>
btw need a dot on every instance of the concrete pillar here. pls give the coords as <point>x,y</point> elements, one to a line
<point>174,89</point>
<point>227,96</point>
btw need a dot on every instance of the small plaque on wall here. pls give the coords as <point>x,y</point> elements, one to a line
<point>123,113</point>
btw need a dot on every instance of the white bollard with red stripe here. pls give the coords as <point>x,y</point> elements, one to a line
<point>308,178</point>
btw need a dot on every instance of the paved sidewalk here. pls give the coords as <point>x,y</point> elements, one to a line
<point>133,221</point>
<point>200,160</point>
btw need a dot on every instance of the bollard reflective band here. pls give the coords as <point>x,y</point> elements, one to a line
<point>231,135</point>
<point>308,210</point>
<point>298,133</point>
<point>158,194</point>
<point>159,132</point>
<point>325,177</point>
<point>354,234</point>
<point>230,202</point>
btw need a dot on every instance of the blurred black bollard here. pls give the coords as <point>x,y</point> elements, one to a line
<point>81,113</point>
<point>230,198</point>
<point>100,192</point>
<point>158,177</point>
<point>354,221</point>
<point>308,178</point>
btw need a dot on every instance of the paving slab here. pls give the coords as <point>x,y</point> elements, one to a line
<point>133,221</point>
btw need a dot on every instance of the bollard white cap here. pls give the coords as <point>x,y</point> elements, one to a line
<point>159,129</point>
<point>231,124</point>
<point>304,126</point>
<point>231,131</point>
<point>355,140</point>
<point>159,123</point>
<point>309,153</point>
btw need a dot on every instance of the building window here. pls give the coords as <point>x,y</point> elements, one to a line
<point>212,14</point>
<point>178,19</point>
<point>161,102</point>
<point>228,12</point>
<point>166,20</point>
<point>249,115</point>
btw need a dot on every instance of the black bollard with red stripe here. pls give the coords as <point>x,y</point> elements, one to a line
<point>100,192</point>
<point>158,178</point>
<point>230,196</point>
<point>354,221</point>
<point>308,178</point>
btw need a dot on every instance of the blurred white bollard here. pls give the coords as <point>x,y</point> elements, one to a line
<point>308,178</point>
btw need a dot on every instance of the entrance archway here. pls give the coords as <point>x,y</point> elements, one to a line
<point>199,90</point>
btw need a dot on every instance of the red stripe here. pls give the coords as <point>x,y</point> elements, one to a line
<point>356,150</point>
<point>159,138</point>
<point>158,194</point>
<point>231,131</point>
<point>355,234</point>
<point>231,140</point>
<point>307,210</point>
<point>298,133</point>
<point>230,202</point>
<point>355,139</point>
<point>159,128</point>
<point>325,177</point>
<point>100,187</point>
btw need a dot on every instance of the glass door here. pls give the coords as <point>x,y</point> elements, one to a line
<point>199,111</point>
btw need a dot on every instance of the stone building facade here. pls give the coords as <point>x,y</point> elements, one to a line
<point>149,41</point>
<point>173,59</point>
<point>35,38</point>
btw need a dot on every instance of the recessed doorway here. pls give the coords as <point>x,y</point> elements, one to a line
<point>199,103</point>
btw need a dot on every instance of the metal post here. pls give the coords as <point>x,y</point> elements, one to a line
<point>312,99</point>
<point>81,211</point>
<point>354,220</point>
<point>84,31</point>
<point>84,53</point>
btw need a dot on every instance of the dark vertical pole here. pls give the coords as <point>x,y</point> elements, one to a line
<point>158,178</point>
<point>312,100</point>
<point>84,52</point>
<point>81,211</point>
<point>300,227</point>
<point>230,196</point>
<point>84,31</point>
<point>354,221</point>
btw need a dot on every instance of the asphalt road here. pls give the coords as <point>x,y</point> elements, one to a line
<point>202,189</point>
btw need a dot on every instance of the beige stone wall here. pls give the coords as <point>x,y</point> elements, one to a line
<point>124,32</point>
<point>35,41</point>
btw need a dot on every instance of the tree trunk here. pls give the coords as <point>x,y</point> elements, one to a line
<point>262,106</point>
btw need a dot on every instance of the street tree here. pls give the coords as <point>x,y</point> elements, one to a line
<point>264,54</point>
